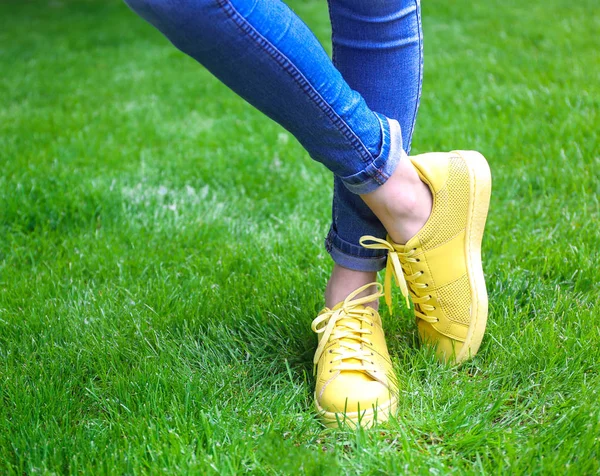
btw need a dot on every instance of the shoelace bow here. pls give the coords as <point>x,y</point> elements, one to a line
<point>350,334</point>
<point>407,283</point>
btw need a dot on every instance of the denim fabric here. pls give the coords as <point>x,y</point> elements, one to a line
<point>378,48</point>
<point>267,55</point>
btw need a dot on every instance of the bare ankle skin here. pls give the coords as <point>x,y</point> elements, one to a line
<point>402,204</point>
<point>343,281</point>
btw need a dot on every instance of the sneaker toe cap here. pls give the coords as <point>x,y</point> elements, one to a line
<point>351,392</point>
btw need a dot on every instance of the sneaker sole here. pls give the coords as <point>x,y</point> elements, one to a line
<point>364,419</point>
<point>480,187</point>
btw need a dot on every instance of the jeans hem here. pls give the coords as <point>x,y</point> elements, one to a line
<point>352,256</point>
<point>382,167</point>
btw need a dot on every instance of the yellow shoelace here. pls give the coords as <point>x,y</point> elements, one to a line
<point>345,326</point>
<point>407,283</point>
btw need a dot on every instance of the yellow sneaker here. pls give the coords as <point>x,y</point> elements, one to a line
<point>355,380</point>
<point>440,267</point>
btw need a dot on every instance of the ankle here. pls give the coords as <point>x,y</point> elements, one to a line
<point>344,281</point>
<point>404,200</point>
<point>402,204</point>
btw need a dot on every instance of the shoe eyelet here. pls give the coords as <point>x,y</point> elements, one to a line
<point>331,371</point>
<point>372,363</point>
<point>331,361</point>
<point>372,353</point>
<point>330,351</point>
<point>418,260</point>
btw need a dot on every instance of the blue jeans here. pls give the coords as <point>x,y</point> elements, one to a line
<point>356,117</point>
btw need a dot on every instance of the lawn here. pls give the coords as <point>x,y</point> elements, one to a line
<point>161,255</point>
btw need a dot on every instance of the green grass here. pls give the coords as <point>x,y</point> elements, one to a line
<point>155,302</point>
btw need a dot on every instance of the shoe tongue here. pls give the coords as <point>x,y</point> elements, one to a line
<point>340,304</point>
<point>350,323</point>
<point>414,242</point>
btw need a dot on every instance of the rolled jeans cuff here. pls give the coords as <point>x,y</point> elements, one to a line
<point>377,172</point>
<point>354,256</point>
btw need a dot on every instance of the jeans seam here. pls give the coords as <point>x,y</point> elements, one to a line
<point>297,76</point>
<point>333,203</point>
<point>420,32</point>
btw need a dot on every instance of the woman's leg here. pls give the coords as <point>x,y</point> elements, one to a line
<point>263,52</point>
<point>266,54</point>
<point>378,49</point>
<point>377,46</point>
